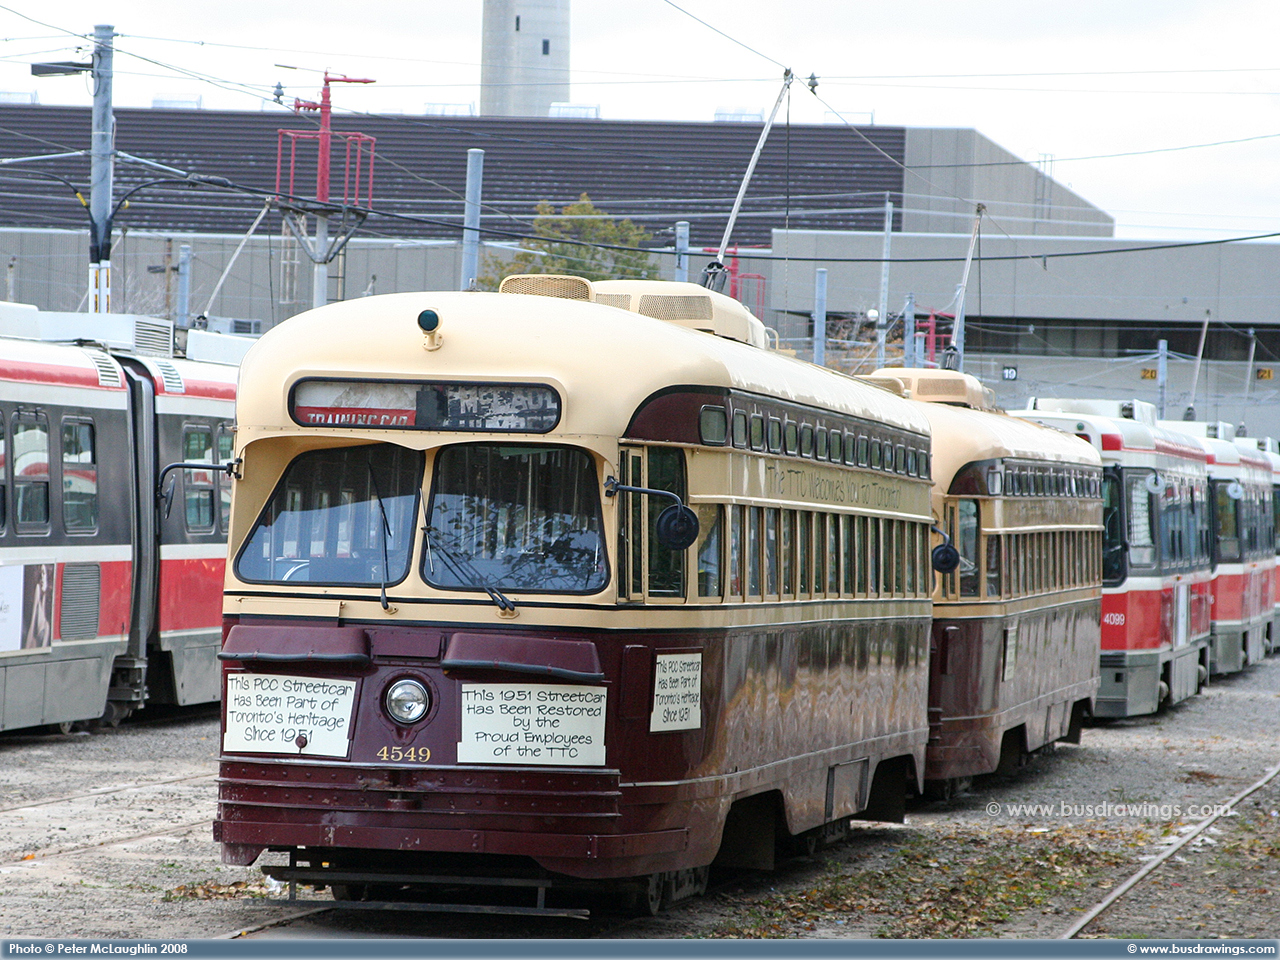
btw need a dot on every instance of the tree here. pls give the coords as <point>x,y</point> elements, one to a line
<point>552,252</point>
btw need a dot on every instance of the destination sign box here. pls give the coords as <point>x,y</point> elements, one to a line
<point>426,405</point>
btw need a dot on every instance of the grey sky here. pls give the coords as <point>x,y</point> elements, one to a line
<point>1071,80</point>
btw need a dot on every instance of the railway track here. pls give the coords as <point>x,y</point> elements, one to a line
<point>116,842</point>
<point>1151,866</point>
<point>105,791</point>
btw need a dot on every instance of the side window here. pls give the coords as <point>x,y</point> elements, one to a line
<point>775,435</point>
<point>198,485</point>
<point>79,476</point>
<point>710,550</point>
<point>1142,520</point>
<point>994,565</point>
<point>1226,512</point>
<point>31,473</point>
<point>666,567</point>
<point>967,544</point>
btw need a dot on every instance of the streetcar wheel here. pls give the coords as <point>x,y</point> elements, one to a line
<point>649,895</point>
<point>801,844</point>
<point>349,892</point>
<point>940,789</point>
<point>62,728</point>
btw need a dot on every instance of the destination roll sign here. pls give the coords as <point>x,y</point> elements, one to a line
<point>426,405</point>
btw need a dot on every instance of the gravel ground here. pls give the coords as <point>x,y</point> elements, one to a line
<point>984,864</point>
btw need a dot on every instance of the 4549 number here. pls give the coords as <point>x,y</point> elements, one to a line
<point>405,754</point>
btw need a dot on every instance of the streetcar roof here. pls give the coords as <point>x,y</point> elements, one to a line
<point>615,358</point>
<point>1117,436</point>
<point>1218,441</point>
<point>34,361</point>
<point>962,436</point>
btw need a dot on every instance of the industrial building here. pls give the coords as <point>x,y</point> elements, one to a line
<point>1053,300</point>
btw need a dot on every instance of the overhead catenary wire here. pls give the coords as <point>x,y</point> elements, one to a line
<point>1041,258</point>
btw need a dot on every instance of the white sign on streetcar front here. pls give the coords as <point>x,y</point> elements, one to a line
<point>677,692</point>
<point>269,713</point>
<point>532,723</point>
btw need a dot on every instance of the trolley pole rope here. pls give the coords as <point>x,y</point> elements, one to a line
<point>1151,865</point>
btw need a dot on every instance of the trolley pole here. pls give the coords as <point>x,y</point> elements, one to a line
<point>957,328</point>
<point>1248,382</point>
<point>882,322</point>
<point>101,172</point>
<point>471,219</point>
<point>682,251</point>
<point>820,316</point>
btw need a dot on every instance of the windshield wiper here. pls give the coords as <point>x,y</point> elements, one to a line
<point>461,566</point>
<point>386,534</point>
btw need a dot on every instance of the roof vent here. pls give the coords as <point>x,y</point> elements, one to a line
<point>173,382</point>
<point>675,308</point>
<point>941,388</point>
<point>108,372</point>
<point>153,338</point>
<point>547,285</point>
<point>620,300</point>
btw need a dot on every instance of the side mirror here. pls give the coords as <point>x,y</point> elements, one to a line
<point>945,558</point>
<point>677,527</point>
<point>167,497</point>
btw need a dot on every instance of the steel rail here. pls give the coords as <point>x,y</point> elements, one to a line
<point>1151,865</point>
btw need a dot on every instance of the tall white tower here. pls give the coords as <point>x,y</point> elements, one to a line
<point>525,57</point>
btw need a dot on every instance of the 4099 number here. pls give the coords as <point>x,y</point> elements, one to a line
<point>405,754</point>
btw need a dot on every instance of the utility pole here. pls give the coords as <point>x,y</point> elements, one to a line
<point>321,250</point>
<point>882,321</point>
<point>101,160</point>
<point>471,219</point>
<point>909,331</point>
<point>682,251</point>
<point>1162,375</point>
<point>820,316</point>
<point>182,317</point>
<point>101,172</point>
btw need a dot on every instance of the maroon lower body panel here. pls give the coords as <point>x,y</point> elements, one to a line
<point>803,714</point>
<point>989,676</point>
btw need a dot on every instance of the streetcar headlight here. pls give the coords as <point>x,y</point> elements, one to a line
<point>407,701</point>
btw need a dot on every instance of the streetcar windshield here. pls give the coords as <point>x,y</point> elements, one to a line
<point>508,517</point>
<point>340,516</point>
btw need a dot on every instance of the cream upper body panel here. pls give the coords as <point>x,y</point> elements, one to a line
<point>962,436</point>
<point>603,361</point>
